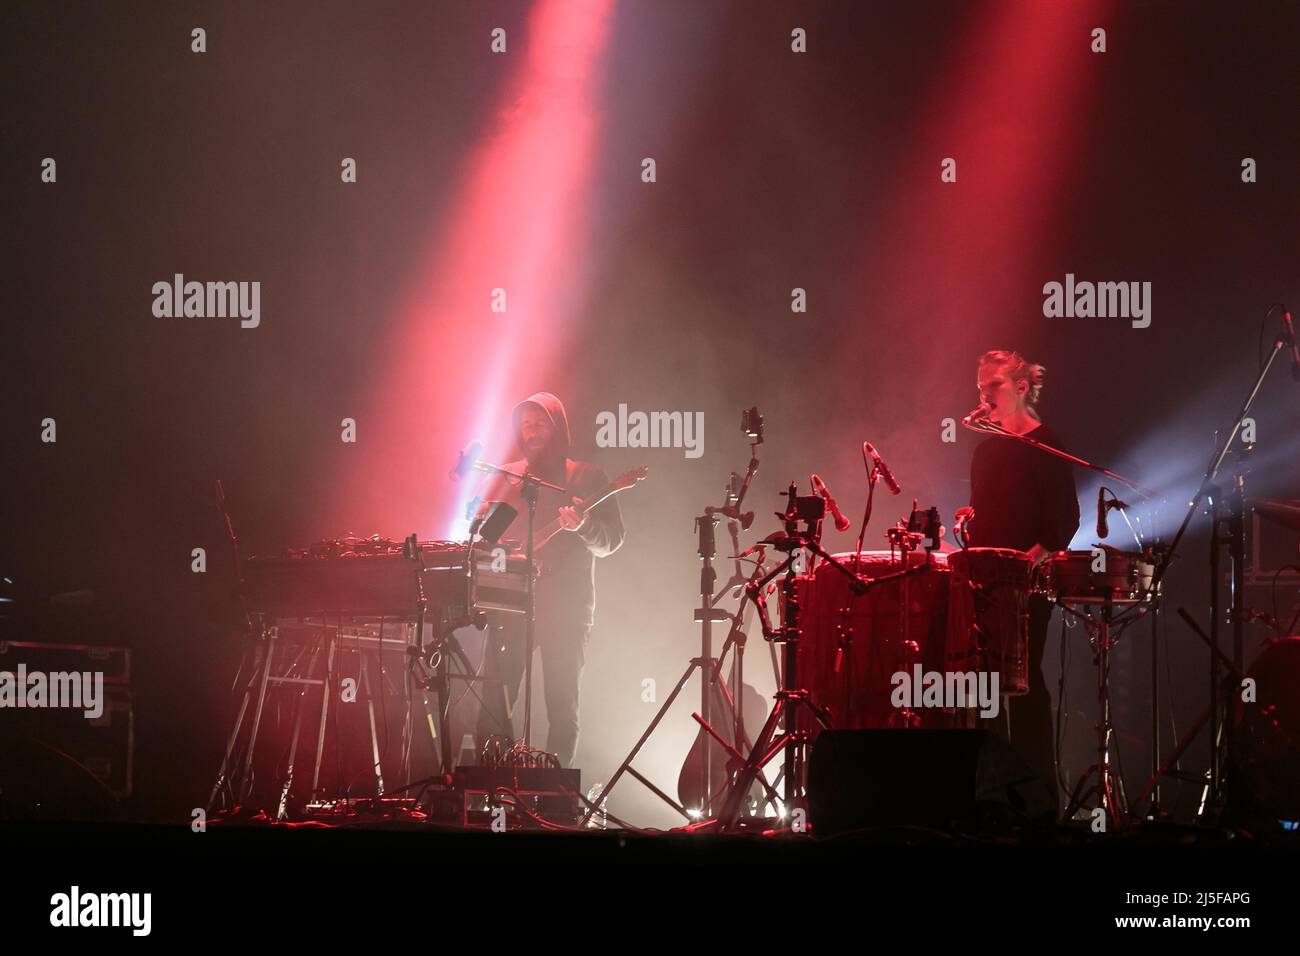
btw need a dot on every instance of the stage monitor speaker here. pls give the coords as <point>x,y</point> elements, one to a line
<point>939,779</point>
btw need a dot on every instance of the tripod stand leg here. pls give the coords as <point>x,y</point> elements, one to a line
<point>1122,795</point>
<point>222,779</point>
<point>738,757</point>
<point>282,808</point>
<point>1076,797</point>
<point>636,748</point>
<point>374,734</point>
<point>1189,737</point>
<point>445,760</point>
<point>326,690</point>
<point>754,764</point>
<point>246,783</point>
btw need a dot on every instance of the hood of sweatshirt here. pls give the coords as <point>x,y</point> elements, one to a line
<point>554,409</point>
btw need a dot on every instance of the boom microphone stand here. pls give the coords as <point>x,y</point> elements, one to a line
<point>529,485</point>
<point>1236,542</point>
<point>984,425</point>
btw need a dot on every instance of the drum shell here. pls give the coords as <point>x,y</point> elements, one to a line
<point>1069,577</point>
<point>883,621</point>
<point>988,615</point>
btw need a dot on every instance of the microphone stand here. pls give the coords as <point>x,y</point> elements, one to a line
<point>1236,541</point>
<point>983,425</point>
<point>844,630</point>
<point>529,486</point>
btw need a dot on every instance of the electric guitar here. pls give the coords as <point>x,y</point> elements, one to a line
<point>629,479</point>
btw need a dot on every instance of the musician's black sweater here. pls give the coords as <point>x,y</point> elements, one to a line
<point>1022,496</point>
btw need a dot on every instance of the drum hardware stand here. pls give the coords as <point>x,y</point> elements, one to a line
<point>737,637</point>
<point>1237,545</point>
<point>1110,786</point>
<point>1154,810</point>
<point>904,538</point>
<point>706,614</point>
<point>790,699</point>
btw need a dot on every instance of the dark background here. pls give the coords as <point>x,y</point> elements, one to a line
<point>775,171</point>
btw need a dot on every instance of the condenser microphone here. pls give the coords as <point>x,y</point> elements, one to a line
<point>466,461</point>
<point>841,522</point>
<point>885,473</point>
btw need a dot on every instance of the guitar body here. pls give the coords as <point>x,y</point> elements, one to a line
<point>722,766</point>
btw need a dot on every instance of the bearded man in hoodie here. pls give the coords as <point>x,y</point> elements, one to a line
<point>566,588</point>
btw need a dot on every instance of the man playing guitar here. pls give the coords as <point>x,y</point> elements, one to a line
<point>565,591</point>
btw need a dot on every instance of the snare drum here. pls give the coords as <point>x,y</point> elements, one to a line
<point>988,615</point>
<point>1103,576</point>
<point>891,627</point>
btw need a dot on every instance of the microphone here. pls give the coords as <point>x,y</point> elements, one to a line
<point>983,411</point>
<point>879,462</point>
<point>1104,507</point>
<point>841,522</point>
<point>1295,349</point>
<point>959,524</point>
<point>466,461</point>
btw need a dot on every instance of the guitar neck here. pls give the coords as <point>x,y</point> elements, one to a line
<point>628,479</point>
<point>553,527</point>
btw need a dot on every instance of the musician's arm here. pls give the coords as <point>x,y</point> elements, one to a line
<point>602,532</point>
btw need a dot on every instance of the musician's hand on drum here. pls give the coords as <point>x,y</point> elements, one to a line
<point>570,520</point>
<point>1038,554</point>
